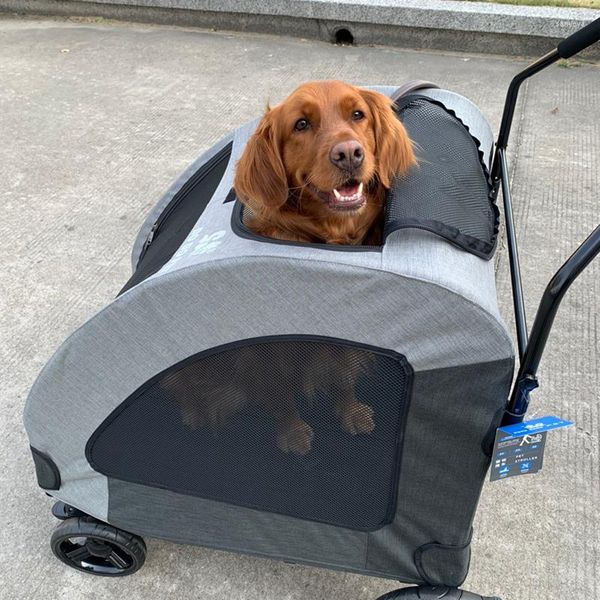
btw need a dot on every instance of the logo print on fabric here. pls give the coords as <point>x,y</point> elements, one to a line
<point>197,244</point>
<point>208,243</point>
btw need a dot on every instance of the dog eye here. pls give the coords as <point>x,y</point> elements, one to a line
<point>301,125</point>
<point>358,115</point>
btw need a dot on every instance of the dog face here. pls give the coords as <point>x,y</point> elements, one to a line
<point>330,150</point>
<point>330,145</point>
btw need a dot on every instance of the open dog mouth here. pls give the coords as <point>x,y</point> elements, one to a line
<point>346,197</point>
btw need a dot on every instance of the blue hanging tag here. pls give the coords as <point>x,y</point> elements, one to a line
<point>519,449</point>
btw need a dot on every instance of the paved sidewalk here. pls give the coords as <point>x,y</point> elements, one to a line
<point>96,120</point>
<point>436,24</point>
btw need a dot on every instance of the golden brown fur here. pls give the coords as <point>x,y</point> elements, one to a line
<point>286,176</point>
<point>267,379</point>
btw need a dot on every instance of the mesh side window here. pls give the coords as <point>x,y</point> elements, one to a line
<point>448,193</point>
<point>306,427</point>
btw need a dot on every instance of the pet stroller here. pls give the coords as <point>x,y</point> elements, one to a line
<point>151,418</point>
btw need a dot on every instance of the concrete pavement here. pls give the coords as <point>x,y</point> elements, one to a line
<point>97,119</point>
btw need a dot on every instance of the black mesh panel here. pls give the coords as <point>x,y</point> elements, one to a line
<point>306,427</point>
<point>448,193</point>
<point>179,217</point>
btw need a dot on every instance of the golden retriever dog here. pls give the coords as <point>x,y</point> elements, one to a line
<point>316,170</point>
<point>318,165</point>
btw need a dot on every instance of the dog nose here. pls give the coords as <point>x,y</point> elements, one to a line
<point>347,156</point>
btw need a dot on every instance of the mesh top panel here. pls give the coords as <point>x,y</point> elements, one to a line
<point>310,428</point>
<point>448,193</point>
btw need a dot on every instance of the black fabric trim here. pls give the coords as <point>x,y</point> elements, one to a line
<point>238,227</point>
<point>402,416</point>
<point>186,187</point>
<point>418,560</point>
<point>450,234</point>
<point>47,472</point>
<point>468,243</point>
<point>231,197</point>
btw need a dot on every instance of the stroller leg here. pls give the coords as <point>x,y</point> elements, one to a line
<point>64,511</point>
<point>433,593</point>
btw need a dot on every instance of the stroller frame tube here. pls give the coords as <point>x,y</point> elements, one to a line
<point>544,318</point>
<point>513,256</point>
<point>511,101</point>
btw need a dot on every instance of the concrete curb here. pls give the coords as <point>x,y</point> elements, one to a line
<point>441,24</point>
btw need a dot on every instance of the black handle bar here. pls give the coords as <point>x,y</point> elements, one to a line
<point>580,40</point>
<point>531,350</point>
<point>576,42</point>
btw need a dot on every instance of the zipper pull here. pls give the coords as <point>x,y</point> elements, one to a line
<point>150,238</point>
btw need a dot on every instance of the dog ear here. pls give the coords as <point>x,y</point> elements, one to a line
<point>260,178</point>
<point>394,149</point>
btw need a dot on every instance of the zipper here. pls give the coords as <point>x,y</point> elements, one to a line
<point>181,194</point>
<point>148,240</point>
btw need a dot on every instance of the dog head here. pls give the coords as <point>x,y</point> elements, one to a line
<point>328,148</point>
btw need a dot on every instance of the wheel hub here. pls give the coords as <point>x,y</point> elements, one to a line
<point>98,548</point>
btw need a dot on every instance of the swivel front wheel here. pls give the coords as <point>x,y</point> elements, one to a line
<point>94,547</point>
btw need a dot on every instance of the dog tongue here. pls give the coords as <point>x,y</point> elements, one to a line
<point>347,196</point>
<point>348,190</point>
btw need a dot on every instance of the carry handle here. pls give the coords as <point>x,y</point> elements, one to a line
<point>580,40</point>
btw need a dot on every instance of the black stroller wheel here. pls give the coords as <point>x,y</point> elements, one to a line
<point>94,547</point>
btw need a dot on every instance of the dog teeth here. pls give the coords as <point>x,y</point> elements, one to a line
<point>343,199</point>
<point>349,199</point>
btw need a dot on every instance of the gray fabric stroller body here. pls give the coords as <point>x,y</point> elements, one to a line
<point>113,419</point>
<point>329,405</point>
